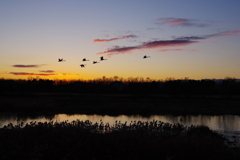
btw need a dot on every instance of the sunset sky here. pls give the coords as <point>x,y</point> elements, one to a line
<point>199,39</point>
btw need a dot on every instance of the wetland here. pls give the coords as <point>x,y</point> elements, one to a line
<point>42,119</point>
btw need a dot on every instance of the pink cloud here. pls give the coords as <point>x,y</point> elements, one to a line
<point>31,74</point>
<point>162,44</point>
<point>148,45</point>
<point>40,74</point>
<point>174,21</point>
<point>180,22</point>
<point>227,33</point>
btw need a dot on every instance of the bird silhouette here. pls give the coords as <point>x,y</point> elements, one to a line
<point>60,60</point>
<point>83,65</point>
<point>84,59</point>
<point>145,57</point>
<point>101,58</point>
<point>94,62</point>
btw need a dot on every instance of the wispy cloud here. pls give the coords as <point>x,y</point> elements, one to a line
<point>30,74</point>
<point>68,74</point>
<point>41,74</point>
<point>180,22</point>
<point>113,39</point>
<point>162,44</point>
<point>220,34</point>
<point>47,71</point>
<point>147,45</point>
<point>167,50</point>
<point>28,66</point>
<point>227,33</point>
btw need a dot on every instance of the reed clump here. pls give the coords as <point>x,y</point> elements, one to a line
<point>87,140</point>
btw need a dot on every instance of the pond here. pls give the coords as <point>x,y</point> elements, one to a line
<point>226,123</point>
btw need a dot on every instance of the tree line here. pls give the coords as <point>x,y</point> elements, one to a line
<point>227,86</point>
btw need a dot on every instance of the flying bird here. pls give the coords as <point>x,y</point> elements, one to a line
<point>82,65</point>
<point>94,62</point>
<point>60,60</point>
<point>145,57</point>
<point>84,59</point>
<point>101,58</point>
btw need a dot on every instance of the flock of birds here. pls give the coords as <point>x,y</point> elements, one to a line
<point>94,62</point>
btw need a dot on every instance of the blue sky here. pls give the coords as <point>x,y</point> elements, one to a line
<point>184,38</point>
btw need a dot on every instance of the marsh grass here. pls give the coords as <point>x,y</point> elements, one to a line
<point>87,140</point>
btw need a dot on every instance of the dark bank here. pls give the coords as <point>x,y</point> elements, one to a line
<point>108,96</point>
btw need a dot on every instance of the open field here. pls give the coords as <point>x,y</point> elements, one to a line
<point>137,140</point>
<point>118,104</point>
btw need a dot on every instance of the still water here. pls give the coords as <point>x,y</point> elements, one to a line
<point>229,123</point>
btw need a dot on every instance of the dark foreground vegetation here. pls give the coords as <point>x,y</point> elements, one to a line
<point>114,96</point>
<point>87,140</point>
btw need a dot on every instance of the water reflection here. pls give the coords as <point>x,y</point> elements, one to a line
<point>224,122</point>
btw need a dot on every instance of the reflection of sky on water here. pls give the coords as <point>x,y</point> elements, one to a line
<point>224,122</point>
